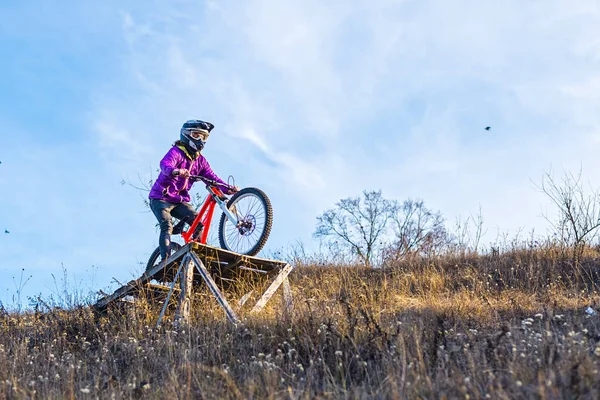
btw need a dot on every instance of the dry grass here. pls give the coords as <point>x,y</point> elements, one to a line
<point>506,326</point>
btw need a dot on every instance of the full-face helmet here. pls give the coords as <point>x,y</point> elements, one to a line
<point>194,133</point>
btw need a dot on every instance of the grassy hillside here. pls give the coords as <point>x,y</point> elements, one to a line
<point>508,326</point>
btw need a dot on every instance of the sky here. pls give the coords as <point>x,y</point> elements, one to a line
<point>312,101</point>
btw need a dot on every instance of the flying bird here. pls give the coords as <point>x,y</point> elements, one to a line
<point>487,128</point>
<point>6,231</point>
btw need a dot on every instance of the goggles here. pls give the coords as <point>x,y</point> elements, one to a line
<point>199,134</point>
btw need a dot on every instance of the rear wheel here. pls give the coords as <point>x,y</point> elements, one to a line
<point>154,259</point>
<point>255,214</point>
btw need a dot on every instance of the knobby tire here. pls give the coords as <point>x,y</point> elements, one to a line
<point>265,203</point>
<point>155,256</point>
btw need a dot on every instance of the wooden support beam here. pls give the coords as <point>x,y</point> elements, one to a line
<point>162,313</point>
<point>185,297</point>
<point>272,288</point>
<point>214,289</point>
<point>288,299</point>
<point>121,292</point>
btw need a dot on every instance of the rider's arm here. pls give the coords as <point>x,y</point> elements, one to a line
<point>207,172</point>
<point>169,162</point>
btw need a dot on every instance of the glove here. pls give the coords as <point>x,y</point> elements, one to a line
<point>233,190</point>
<point>181,172</point>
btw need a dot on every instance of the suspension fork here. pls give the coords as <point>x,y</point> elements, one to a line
<point>233,218</point>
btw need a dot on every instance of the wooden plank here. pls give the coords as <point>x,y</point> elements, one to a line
<point>156,292</point>
<point>263,266</point>
<point>272,288</point>
<point>288,299</point>
<point>121,292</point>
<point>157,287</point>
<point>229,271</point>
<point>214,252</point>
<point>231,257</point>
<point>185,297</point>
<point>244,298</point>
<point>214,289</point>
<point>259,271</point>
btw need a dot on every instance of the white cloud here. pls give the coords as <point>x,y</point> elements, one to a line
<point>313,101</point>
<point>330,93</point>
<point>129,147</point>
<point>253,137</point>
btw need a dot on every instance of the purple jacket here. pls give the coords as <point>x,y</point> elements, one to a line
<point>175,189</point>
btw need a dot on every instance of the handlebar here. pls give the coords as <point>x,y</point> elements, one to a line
<point>210,182</point>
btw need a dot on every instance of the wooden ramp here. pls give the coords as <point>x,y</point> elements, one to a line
<point>220,270</point>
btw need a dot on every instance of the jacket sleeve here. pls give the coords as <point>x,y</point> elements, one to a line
<point>207,172</point>
<point>169,162</point>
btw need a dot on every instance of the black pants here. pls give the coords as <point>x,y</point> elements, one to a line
<point>163,211</point>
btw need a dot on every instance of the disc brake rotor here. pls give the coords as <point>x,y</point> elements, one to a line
<point>247,225</point>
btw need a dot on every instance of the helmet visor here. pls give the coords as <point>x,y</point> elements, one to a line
<point>199,134</point>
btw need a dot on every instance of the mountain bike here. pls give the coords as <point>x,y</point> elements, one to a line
<point>244,226</point>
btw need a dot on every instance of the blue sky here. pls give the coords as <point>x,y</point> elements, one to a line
<point>313,101</point>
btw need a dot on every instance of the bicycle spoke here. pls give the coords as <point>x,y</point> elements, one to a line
<point>247,209</point>
<point>251,207</point>
<point>251,212</point>
<point>236,241</point>
<point>231,236</point>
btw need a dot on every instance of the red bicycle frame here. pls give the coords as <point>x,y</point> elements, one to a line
<point>204,216</point>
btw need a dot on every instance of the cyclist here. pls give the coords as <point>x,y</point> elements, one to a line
<point>169,196</point>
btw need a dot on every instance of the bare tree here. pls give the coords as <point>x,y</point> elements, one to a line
<point>468,233</point>
<point>578,210</point>
<point>417,230</point>
<point>358,222</point>
<point>143,187</point>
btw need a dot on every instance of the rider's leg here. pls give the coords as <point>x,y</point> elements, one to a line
<point>185,212</point>
<point>162,211</point>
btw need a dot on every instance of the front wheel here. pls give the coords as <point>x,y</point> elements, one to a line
<point>255,214</point>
